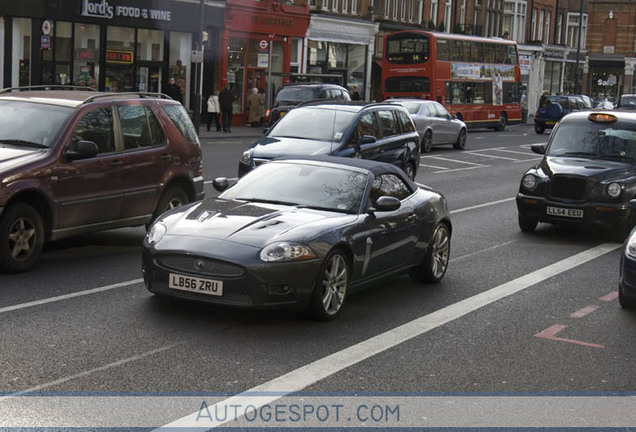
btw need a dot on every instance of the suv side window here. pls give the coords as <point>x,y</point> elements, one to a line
<point>97,126</point>
<point>179,117</point>
<point>389,125</point>
<point>139,126</point>
<point>405,121</point>
<point>366,126</point>
<point>388,185</point>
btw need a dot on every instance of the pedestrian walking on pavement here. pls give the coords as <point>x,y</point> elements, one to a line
<point>173,90</point>
<point>254,103</point>
<point>214,111</point>
<point>226,98</point>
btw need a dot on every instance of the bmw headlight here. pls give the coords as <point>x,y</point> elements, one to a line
<point>286,251</point>
<point>529,181</point>
<point>245,157</point>
<point>156,233</point>
<point>630,250</point>
<point>614,190</point>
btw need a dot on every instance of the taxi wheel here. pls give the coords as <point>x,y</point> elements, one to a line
<point>21,238</point>
<point>435,263</point>
<point>330,289</point>
<point>527,225</point>
<point>409,170</point>
<point>503,121</point>
<point>539,129</point>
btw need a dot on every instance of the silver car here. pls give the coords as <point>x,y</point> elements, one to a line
<point>434,124</point>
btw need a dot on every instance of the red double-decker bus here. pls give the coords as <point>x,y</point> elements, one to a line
<point>476,78</point>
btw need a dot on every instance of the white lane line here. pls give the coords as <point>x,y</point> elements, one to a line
<point>453,160</point>
<point>461,169</point>
<point>433,166</point>
<point>88,372</point>
<point>474,153</point>
<point>69,296</point>
<point>529,159</point>
<point>516,152</point>
<point>325,367</point>
<point>478,206</point>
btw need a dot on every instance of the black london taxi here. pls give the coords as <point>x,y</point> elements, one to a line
<point>587,175</point>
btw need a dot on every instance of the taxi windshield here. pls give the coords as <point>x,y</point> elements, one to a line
<point>596,140</point>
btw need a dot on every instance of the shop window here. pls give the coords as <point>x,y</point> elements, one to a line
<point>86,56</point>
<point>179,61</point>
<point>63,41</point>
<point>149,45</point>
<point>21,49</point>
<point>236,72</point>
<point>119,59</point>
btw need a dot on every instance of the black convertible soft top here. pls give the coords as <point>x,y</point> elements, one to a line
<point>375,167</point>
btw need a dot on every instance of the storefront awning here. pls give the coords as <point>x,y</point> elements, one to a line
<point>340,31</point>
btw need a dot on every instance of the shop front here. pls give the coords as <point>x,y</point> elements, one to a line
<point>342,47</point>
<point>262,44</point>
<point>610,76</point>
<point>108,45</point>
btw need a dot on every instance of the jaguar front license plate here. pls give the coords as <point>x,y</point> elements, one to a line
<point>197,285</point>
<point>565,212</point>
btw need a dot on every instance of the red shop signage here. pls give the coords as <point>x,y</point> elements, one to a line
<point>124,57</point>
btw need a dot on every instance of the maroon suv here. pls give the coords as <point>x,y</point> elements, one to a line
<point>75,161</point>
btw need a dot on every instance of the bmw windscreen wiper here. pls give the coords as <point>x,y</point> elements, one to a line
<point>266,201</point>
<point>20,142</point>
<point>576,154</point>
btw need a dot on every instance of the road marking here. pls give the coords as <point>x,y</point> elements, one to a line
<point>475,153</point>
<point>451,160</point>
<point>515,152</point>
<point>69,296</point>
<point>550,334</point>
<point>461,169</point>
<point>325,367</point>
<point>609,297</point>
<point>88,372</point>
<point>433,166</point>
<point>482,205</point>
<point>584,311</point>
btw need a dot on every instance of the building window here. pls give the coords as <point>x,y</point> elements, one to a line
<point>21,71</point>
<point>410,3</point>
<point>533,25</point>
<point>434,11</point>
<point>345,6</point>
<point>548,17</point>
<point>559,29</point>
<point>540,26</point>
<point>447,16</point>
<point>354,7</point>
<point>462,14</point>
<point>86,55</point>
<point>325,5</point>
<point>334,5</point>
<point>387,8</point>
<point>403,10</point>
<point>395,9</point>
<point>313,4</point>
<point>573,30</point>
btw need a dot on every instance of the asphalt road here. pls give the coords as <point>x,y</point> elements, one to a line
<point>515,313</point>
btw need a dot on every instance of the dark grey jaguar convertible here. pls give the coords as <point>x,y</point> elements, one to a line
<point>301,234</point>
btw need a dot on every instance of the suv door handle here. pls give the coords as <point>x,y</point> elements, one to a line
<point>166,157</point>
<point>412,217</point>
<point>116,163</point>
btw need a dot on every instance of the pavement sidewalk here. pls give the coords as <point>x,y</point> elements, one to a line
<point>237,132</point>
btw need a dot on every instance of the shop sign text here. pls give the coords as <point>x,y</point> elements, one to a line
<point>102,9</point>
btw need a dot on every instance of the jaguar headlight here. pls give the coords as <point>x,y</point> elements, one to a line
<point>529,181</point>
<point>286,251</point>
<point>614,190</point>
<point>156,233</point>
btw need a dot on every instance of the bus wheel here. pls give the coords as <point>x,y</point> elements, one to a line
<point>503,121</point>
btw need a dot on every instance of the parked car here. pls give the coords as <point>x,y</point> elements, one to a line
<point>291,95</point>
<point>553,108</point>
<point>434,124</point>
<point>73,162</point>
<point>627,278</point>
<point>299,234</point>
<point>587,175</point>
<point>627,102</point>
<point>380,131</point>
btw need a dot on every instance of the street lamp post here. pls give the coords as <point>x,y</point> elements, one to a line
<point>199,68</point>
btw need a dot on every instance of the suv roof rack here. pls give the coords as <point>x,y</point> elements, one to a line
<point>141,95</point>
<point>47,87</point>
<point>309,78</point>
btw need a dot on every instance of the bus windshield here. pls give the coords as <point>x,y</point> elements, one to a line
<point>407,48</point>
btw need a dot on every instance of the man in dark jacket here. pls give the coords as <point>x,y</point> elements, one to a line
<point>225,101</point>
<point>174,91</point>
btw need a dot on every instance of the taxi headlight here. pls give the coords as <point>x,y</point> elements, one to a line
<point>286,251</point>
<point>614,190</point>
<point>245,157</point>
<point>630,249</point>
<point>156,233</point>
<point>529,181</point>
